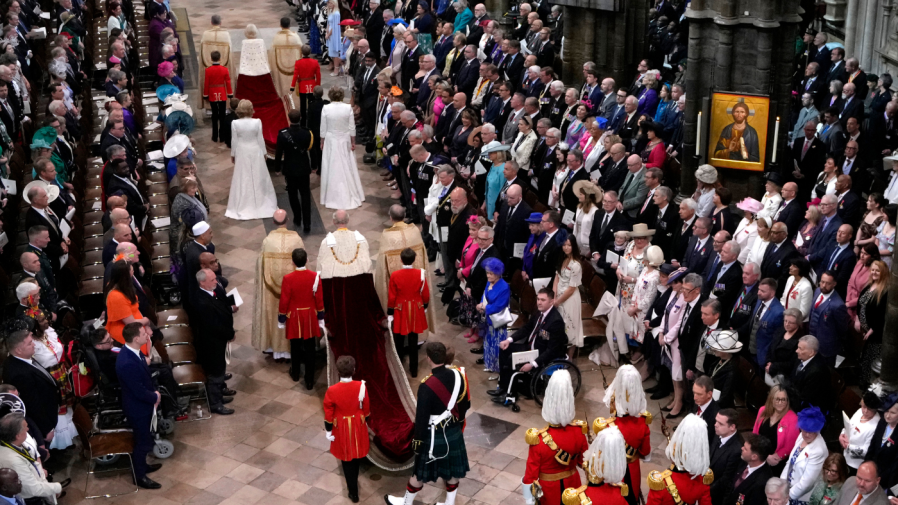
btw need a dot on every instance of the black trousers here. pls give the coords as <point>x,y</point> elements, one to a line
<point>218,113</point>
<point>303,351</point>
<point>410,349</point>
<point>315,154</point>
<point>214,386</point>
<point>300,198</point>
<point>351,472</point>
<point>505,369</point>
<point>143,444</point>
<point>304,109</point>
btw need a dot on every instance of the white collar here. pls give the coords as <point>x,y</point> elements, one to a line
<point>29,361</point>
<point>805,362</point>
<point>703,241</point>
<point>135,351</point>
<point>705,406</point>
<point>714,326</point>
<point>201,245</point>
<point>33,274</point>
<point>408,266</point>
<point>345,379</point>
<point>662,209</point>
<point>211,293</point>
<point>826,296</point>
<point>751,469</point>
<point>725,439</point>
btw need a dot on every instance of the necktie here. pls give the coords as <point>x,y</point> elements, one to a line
<point>804,150</point>
<point>648,199</point>
<point>742,477</point>
<point>801,366</point>
<point>604,224</point>
<point>713,267</point>
<point>698,244</point>
<point>738,302</point>
<point>760,314</point>
<point>819,301</point>
<point>857,501</point>
<point>847,167</point>
<point>832,259</point>
<point>699,412</point>
<point>779,211</point>
<point>539,323</point>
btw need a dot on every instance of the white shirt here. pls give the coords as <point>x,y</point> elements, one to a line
<point>703,408</point>
<point>135,351</point>
<point>724,439</point>
<point>751,469</point>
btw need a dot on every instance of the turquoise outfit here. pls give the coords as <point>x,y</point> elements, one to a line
<point>495,179</point>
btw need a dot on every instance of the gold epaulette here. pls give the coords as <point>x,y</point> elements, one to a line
<point>601,423</point>
<point>581,424</point>
<point>532,436</point>
<point>656,478</point>
<point>708,478</point>
<point>575,496</point>
<point>647,415</point>
<point>624,489</point>
<point>425,378</point>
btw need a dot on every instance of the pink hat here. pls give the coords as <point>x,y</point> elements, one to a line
<point>114,59</point>
<point>165,69</point>
<point>750,205</point>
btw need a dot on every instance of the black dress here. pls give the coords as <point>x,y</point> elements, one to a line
<point>769,431</point>
<point>884,451</point>
<point>781,355</point>
<point>872,316</point>
<point>722,220</point>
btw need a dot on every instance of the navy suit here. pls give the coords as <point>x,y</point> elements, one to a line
<point>595,98</point>
<point>138,399</point>
<point>467,77</point>
<point>823,243</point>
<point>841,262</point>
<point>829,323</point>
<point>770,322</point>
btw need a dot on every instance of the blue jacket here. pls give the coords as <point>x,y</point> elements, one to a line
<point>138,389</point>
<point>771,321</point>
<point>829,323</point>
<point>823,243</point>
<point>530,252</point>
<point>496,299</point>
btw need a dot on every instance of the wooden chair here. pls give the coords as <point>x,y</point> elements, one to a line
<point>172,317</point>
<point>100,445</point>
<point>176,336</point>
<point>181,354</point>
<point>192,380</point>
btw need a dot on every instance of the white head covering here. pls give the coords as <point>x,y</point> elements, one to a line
<point>558,405</point>
<point>200,228</point>
<point>606,458</point>
<point>626,388</point>
<point>688,448</point>
<point>26,288</point>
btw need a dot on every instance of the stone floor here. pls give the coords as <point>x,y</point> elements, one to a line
<point>273,450</point>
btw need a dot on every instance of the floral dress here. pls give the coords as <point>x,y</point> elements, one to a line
<point>48,353</point>
<point>627,294</point>
<point>886,241</point>
<point>571,276</point>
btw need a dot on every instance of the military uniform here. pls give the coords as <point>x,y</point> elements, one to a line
<point>293,146</point>
<point>300,308</point>
<point>637,435</point>
<point>346,407</point>
<point>217,89</point>
<point>438,442</point>
<point>677,487</point>
<point>306,75</point>
<point>600,493</point>
<point>407,300</point>
<point>554,455</point>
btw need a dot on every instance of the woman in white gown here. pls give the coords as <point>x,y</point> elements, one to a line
<point>341,187</point>
<point>252,193</point>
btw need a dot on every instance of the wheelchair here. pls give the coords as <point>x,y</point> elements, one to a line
<point>533,384</point>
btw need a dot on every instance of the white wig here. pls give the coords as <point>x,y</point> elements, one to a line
<point>626,388</point>
<point>558,405</point>
<point>688,448</point>
<point>606,458</point>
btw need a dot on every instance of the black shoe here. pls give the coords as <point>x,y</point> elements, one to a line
<point>495,392</point>
<point>66,482</point>
<point>228,392</point>
<point>150,468</point>
<point>660,394</point>
<point>479,361</point>
<point>443,284</point>
<point>499,399</point>
<point>307,230</point>
<point>666,409</point>
<point>477,350</point>
<point>226,399</point>
<point>674,416</point>
<point>354,498</point>
<point>438,273</point>
<point>309,384</point>
<point>228,376</point>
<point>148,483</point>
<point>222,411</point>
<point>294,375</point>
<point>651,389</point>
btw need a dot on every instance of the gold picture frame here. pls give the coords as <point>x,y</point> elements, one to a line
<point>737,136</point>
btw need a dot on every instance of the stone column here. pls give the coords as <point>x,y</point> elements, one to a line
<point>870,23</point>
<point>850,28</point>
<point>889,371</point>
<point>579,44</point>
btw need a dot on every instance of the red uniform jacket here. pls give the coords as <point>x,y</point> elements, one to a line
<point>217,86</point>
<point>599,494</point>
<point>407,299</point>
<point>545,461</point>
<point>637,435</point>
<point>306,73</point>
<point>691,491</point>
<point>346,420</point>
<point>303,304</point>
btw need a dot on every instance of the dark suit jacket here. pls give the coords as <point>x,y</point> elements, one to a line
<point>852,108</point>
<point>851,208</point>
<point>776,263</point>
<point>666,229</point>
<point>725,462</point>
<point>613,174</point>
<point>37,389</point>
<point>546,259</point>
<point>647,213</point>
<point>726,288</point>
<point>135,205</point>
<point>440,50</point>
<point>477,280</point>
<point>810,166</point>
<point>374,27</point>
<point>823,243</point>
<point>410,67</point>
<point>214,327</point>
<point>138,389</point>
<point>690,336</point>
<point>807,383</point>
<point>54,248</point>
<point>600,241</point>
<point>696,261</point>
<point>843,266</point>
<point>628,130</point>
<point>710,417</point>
<point>791,214</point>
<point>551,338</point>
<point>751,490</point>
<point>514,71</point>
<point>512,231</point>
<point>569,200</point>
<point>467,77</point>
<point>885,455</point>
<point>545,56</point>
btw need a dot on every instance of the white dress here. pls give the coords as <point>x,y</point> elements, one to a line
<point>571,276</point>
<point>341,187</point>
<point>48,353</point>
<point>252,193</point>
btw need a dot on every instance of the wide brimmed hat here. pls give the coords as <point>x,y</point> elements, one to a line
<point>494,147</point>
<point>44,138</point>
<point>163,92</point>
<point>706,174</point>
<point>52,190</point>
<point>655,256</point>
<point>677,275</point>
<point>535,217</point>
<point>750,205</point>
<point>887,162</point>
<point>811,420</point>
<point>640,230</point>
<point>667,269</point>
<point>725,341</point>
<point>601,122</point>
<point>175,145</point>
<point>588,187</point>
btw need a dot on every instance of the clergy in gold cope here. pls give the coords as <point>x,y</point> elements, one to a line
<point>286,48</point>
<point>216,39</point>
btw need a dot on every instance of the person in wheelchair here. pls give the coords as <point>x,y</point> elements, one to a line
<point>543,333</point>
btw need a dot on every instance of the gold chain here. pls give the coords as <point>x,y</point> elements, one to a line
<point>357,248</point>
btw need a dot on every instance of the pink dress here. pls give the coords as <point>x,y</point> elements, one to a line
<point>856,284</point>
<point>468,253</point>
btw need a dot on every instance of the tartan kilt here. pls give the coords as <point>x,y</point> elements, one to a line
<point>454,465</point>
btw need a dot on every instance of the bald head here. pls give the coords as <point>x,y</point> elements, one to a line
<point>30,262</point>
<point>207,260</point>
<point>114,202</point>
<point>514,195</point>
<point>341,218</point>
<point>122,233</point>
<point>120,216</point>
<point>128,251</point>
<point>280,218</point>
<point>634,163</point>
<point>459,100</point>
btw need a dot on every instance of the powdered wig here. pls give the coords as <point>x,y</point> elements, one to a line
<point>558,405</point>
<point>626,389</point>
<point>606,458</point>
<point>688,448</point>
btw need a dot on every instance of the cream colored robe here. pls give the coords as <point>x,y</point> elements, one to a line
<point>343,253</point>
<point>216,39</point>
<point>286,48</point>
<point>275,261</point>
<point>392,242</point>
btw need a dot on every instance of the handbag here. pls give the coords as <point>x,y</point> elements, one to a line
<point>79,374</point>
<point>501,319</point>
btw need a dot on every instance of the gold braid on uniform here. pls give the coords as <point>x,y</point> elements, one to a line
<point>647,415</point>
<point>582,424</point>
<point>575,496</point>
<point>533,436</point>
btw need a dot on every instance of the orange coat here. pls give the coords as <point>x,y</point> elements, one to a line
<point>599,494</point>
<point>637,435</point>
<point>308,74</point>
<point>555,476</point>
<point>407,298</point>
<point>346,420</point>
<point>217,86</point>
<point>691,491</point>
<point>303,304</point>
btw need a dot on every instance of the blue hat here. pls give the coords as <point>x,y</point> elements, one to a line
<point>535,217</point>
<point>811,420</point>
<point>164,91</point>
<point>493,266</point>
<point>677,275</point>
<point>601,122</point>
<point>397,21</point>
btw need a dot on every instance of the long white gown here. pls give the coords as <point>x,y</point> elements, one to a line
<point>341,187</point>
<point>252,193</point>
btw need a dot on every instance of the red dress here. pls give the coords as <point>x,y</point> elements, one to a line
<point>407,298</point>
<point>555,476</point>
<point>302,302</point>
<point>346,420</point>
<point>637,435</point>
<point>691,491</point>
<point>306,73</point>
<point>217,86</point>
<point>599,494</point>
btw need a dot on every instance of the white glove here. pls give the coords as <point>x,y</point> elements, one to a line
<point>328,435</point>
<point>529,499</point>
<point>281,326</point>
<point>390,320</point>
<point>321,324</point>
